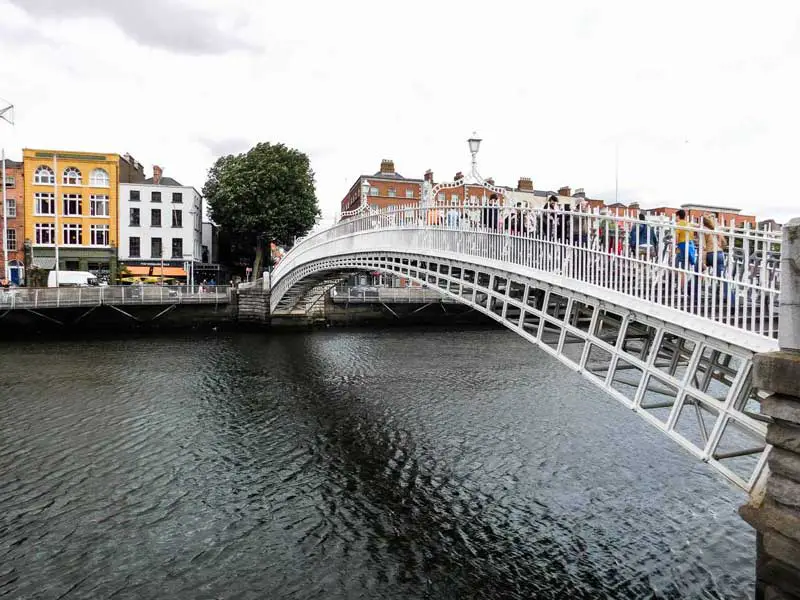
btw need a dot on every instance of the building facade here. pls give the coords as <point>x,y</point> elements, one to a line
<point>70,204</point>
<point>15,215</point>
<point>160,225</point>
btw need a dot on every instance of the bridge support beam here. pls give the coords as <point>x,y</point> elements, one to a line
<point>774,509</point>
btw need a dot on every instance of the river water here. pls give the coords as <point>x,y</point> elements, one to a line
<point>345,464</point>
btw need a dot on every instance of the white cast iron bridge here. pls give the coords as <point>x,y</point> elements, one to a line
<point>672,342</point>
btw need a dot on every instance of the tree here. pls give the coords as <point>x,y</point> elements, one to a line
<point>264,195</point>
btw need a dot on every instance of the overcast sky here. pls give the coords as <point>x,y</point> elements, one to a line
<point>701,97</point>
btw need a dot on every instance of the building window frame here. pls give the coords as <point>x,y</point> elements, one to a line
<point>99,235</point>
<point>391,192</point>
<point>11,208</point>
<point>44,175</point>
<point>72,205</point>
<point>177,247</point>
<point>72,234</point>
<point>72,176</point>
<point>99,178</point>
<point>155,196</point>
<point>42,231</point>
<point>134,196</point>
<point>138,245</point>
<point>153,253</point>
<point>409,193</point>
<point>11,239</point>
<point>137,221</point>
<point>177,218</point>
<point>99,206</point>
<point>177,197</point>
<point>153,213</point>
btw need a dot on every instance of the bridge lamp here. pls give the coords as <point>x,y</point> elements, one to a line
<point>474,145</point>
<point>364,193</point>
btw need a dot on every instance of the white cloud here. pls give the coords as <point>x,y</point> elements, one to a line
<point>701,97</point>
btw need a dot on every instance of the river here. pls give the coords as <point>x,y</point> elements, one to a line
<point>345,464</point>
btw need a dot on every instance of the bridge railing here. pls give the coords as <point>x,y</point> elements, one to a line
<point>35,298</point>
<point>727,274</point>
<point>388,295</point>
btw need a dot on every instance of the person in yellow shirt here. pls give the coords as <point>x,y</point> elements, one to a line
<point>685,250</point>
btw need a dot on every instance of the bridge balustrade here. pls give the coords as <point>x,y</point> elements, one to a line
<point>735,281</point>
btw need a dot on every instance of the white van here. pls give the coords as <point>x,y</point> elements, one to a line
<point>71,279</point>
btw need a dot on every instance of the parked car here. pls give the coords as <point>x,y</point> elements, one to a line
<point>71,279</point>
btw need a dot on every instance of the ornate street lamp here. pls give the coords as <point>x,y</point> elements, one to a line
<point>474,145</point>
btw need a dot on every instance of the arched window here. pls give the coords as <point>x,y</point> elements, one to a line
<point>44,175</point>
<point>71,176</point>
<point>99,178</point>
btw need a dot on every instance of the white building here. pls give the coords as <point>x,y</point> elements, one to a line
<point>159,223</point>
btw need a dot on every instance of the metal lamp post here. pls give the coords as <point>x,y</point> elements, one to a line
<point>474,145</point>
<point>6,114</point>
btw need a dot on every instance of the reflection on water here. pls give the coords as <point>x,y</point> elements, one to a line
<point>381,464</point>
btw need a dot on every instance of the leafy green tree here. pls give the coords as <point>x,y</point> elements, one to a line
<point>264,195</point>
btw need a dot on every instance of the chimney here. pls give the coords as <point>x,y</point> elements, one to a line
<point>490,181</point>
<point>387,166</point>
<point>458,176</point>
<point>157,174</point>
<point>579,193</point>
<point>525,184</point>
<point>429,176</point>
<point>564,191</point>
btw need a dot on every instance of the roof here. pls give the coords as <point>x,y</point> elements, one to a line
<point>390,176</point>
<point>164,181</point>
<point>13,164</point>
<point>711,207</point>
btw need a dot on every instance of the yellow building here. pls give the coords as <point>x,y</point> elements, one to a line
<point>71,201</point>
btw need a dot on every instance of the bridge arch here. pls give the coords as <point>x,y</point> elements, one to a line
<point>687,376</point>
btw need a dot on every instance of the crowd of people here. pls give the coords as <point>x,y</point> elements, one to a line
<point>580,227</point>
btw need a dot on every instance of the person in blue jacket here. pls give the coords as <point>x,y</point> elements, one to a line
<point>642,240</point>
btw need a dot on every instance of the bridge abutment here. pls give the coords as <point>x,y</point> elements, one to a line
<point>774,507</point>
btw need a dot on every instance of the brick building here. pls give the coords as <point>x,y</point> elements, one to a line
<point>15,211</point>
<point>389,188</point>
<point>694,212</point>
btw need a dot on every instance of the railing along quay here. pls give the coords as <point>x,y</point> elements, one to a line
<point>36,298</point>
<point>387,295</point>
<point>734,278</point>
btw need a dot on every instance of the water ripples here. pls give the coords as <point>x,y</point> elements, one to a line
<point>384,464</point>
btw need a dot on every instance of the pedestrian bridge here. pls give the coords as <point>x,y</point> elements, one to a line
<point>674,342</point>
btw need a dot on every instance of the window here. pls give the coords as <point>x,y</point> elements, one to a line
<point>373,191</point>
<point>45,233</point>
<point>177,247</point>
<point>10,181</point>
<point>442,197</point>
<point>11,208</point>
<point>135,196</point>
<point>45,204</point>
<point>98,234</point>
<point>98,205</point>
<point>99,178</point>
<point>134,246</point>
<point>72,205</point>
<point>155,217</point>
<point>72,265</point>
<point>71,176</point>
<point>134,217</point>
<point>11,239</point>
<point>155,196</point>
<point>177,197</point>
<point>392,192</point>
<point>177,218</point>
<point>409,193</point>
<point>73,234</point>
<point>44,176</point>
<point>155,248</point>
<point>454,198</point>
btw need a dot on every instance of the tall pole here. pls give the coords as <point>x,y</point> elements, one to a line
<point>55,238</point>
<point>616,172</point>
<point>6,270</point>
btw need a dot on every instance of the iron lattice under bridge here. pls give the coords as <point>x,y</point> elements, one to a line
<point>673,342</point>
